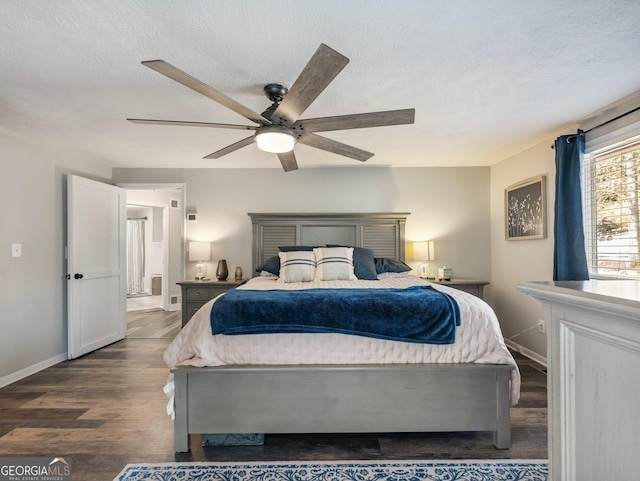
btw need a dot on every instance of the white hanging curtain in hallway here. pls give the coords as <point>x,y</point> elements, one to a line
<point>135,256</point>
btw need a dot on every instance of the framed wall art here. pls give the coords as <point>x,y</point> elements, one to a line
<point>526,209</point>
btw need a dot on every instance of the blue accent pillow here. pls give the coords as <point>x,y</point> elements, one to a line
<point>272,265</point>
<point>363,263</point>
<point>385,264</point>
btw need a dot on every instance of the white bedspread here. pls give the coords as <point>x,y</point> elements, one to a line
<point>478,338</point>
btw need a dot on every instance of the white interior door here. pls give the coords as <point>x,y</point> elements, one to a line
<point>96,265</point>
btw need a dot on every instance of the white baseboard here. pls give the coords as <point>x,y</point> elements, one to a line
<point>534,356</point>
<point>28,371</point>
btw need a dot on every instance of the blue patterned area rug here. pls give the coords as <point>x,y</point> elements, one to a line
<point>480,470</point>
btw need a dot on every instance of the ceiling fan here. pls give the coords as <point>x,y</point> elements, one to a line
<point>279,127</point>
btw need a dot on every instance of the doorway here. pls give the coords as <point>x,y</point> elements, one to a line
<point>157,212</point>
<point>146,238</point>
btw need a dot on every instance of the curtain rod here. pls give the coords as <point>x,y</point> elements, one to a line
<point>137,218</point>
<point>605,123</point>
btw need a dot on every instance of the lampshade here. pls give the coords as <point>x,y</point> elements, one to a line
<point>199,251</point>
<point>424,251</point>
<point>275,139</point>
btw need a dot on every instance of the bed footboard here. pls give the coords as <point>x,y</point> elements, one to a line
<point>342,399</point>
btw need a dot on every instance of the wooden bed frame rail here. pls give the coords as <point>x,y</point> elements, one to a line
<point>342,399</point>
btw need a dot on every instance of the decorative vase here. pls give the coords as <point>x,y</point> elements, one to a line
<point>238,273</point>
<point>222,272</point>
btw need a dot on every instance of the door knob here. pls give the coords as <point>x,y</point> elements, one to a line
<point>78,276</point>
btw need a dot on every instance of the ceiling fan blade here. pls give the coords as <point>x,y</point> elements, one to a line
<point>323,143</point>
<point>231,148</point>
<point>187,80</point>
<point>357,121</point>
<point>288,161</point>
<point>193,124</point>
<point>323,67</point>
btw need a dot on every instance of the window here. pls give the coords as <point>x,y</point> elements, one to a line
<point>611,193</point>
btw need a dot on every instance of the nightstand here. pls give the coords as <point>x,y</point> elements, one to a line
<point>472,286</point>
<point>196,294</point>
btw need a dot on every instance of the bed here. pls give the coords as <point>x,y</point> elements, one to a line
<point>342,383</point>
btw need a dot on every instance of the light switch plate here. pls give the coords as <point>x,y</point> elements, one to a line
<point>16,250</point>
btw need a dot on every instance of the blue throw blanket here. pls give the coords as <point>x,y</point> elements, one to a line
<point>415,314</point>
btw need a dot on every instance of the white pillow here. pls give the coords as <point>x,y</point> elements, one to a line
<point>267,274</point>
<point>334,263</point>
<point>297,266</point>
<point>391,275</point>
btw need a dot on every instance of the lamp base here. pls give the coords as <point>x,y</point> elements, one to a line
<point>200,271</point>
<point>424,271</point>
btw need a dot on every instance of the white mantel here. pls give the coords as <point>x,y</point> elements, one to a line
<point>593,344</point>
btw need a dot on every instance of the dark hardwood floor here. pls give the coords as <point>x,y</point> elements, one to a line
<point>153,324</point>
<point>107,409</point>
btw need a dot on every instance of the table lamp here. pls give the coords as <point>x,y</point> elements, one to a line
<point>200,252</point>
<point>424,251</point>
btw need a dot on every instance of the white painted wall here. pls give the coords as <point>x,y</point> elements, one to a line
<point>448,205</point>
<point>460,208</point>
<point>513,262</point>
<point>33,288</point>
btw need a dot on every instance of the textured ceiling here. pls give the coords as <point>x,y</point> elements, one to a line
<point>488,79</point>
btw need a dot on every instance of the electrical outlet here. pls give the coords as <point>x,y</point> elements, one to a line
<point>542,327</point>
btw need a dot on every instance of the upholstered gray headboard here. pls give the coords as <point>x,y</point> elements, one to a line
<point>383,233</point>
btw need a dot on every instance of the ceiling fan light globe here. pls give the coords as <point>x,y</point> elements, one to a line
<point>275,142</point>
